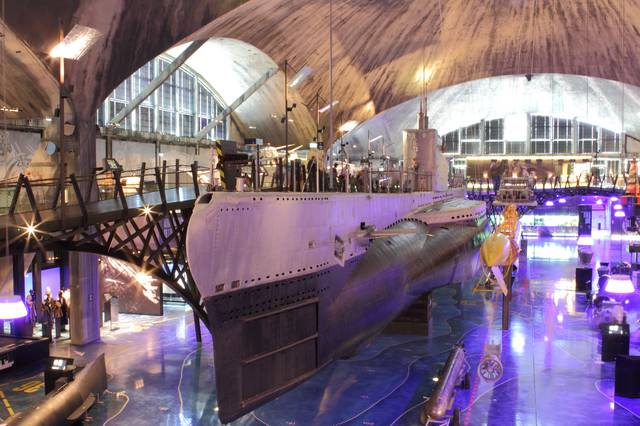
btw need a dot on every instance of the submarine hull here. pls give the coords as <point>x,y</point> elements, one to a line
<point>272,337</point>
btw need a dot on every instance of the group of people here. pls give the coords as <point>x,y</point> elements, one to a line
<point>53,314</point>
<point>503,168</point>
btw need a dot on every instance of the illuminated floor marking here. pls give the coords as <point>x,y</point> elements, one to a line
<point>6,404</point>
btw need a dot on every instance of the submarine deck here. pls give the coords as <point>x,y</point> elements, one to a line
<point>553,373</point>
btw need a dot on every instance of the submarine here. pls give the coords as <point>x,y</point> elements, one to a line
<point>294,281</point>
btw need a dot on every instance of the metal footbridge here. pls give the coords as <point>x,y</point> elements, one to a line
<point>549,188</point>
<point>138,216</point>
<point>553,188</point>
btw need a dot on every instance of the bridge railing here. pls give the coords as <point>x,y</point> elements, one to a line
<point>36,195</point>
<point>620,183</point>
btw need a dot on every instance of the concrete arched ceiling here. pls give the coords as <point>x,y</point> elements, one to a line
<point>28,84</point>
<point>605,103</point>
<point>380,46</point>
<point>231,67</point>
<point>133,33</point>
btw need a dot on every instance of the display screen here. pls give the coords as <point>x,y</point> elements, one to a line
<point>138,292</point>
<point>59,364</point>
<point>112,164</point>
<point>616,329</point>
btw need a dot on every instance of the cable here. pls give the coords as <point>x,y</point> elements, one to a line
<point>491,389</point>
<point>181,376</point>
<point>118,395</point>
<point>408,410</point>
<point>253,414</point>
<point>469,331</point>
<point>377,354</point>
<point>404,380</point>
<point>595,384</point>
<point>407,375</point>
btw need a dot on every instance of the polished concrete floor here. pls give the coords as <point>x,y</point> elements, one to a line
<point>552,369</point>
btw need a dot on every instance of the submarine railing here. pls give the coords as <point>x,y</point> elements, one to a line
<point>300,180</point>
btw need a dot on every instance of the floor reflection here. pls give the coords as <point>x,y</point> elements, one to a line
<point>552,369</point>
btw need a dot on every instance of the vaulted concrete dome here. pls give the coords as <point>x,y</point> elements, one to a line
<point>232,67</point>
<point>380,47</point>
<point>382,51</point>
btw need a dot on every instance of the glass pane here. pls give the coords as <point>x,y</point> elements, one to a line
<point>540,147</point>
<point>540,127</point>
<point>494,130</point>
<point>187,125</point>
<point>471,132</point>
<point>515,147</point>
<point>562,129</point>
<point>610,141</point>
<point>450,143</point>
<point>145,119</point>
<point>494,147</point>
<point>562,147</point>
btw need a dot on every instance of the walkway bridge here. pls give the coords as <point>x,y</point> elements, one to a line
<point>551,189</point>
<point>138,216</point>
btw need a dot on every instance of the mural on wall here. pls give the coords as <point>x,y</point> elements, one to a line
<point>16,151</point>
<point>137,291</point>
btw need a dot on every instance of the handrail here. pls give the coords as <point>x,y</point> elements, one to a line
<point>44,193</point>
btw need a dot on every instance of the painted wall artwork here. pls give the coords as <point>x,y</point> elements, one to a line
<point>137,291</point>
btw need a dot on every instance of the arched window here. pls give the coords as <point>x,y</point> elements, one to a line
<point>182,106</point>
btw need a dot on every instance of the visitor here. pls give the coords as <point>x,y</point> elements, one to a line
<point>47,314</point>
<point>57,316</point>
<point>312,167</point>
<point>32,314</point>
<point>65,311</point>
<point>494,173</point>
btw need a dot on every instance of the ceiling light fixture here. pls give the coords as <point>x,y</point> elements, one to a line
<point>9,109</point>
<point>326,107</point>
<point>300,76</point>
<point>76,43</point>
<point>348,126</point>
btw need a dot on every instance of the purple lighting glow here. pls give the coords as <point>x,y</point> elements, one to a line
<point>617,207</point>
<point>599,202</point>
<point>619,284</point>
<point>562,201</point>
<point>11,307</point>
<point>619,213</point>
<point>549,204</point>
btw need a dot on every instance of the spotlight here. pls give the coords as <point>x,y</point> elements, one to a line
<point>12,307</point>
<point>619,284</point>
<point>147,210</point>
<point>30,229</point>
